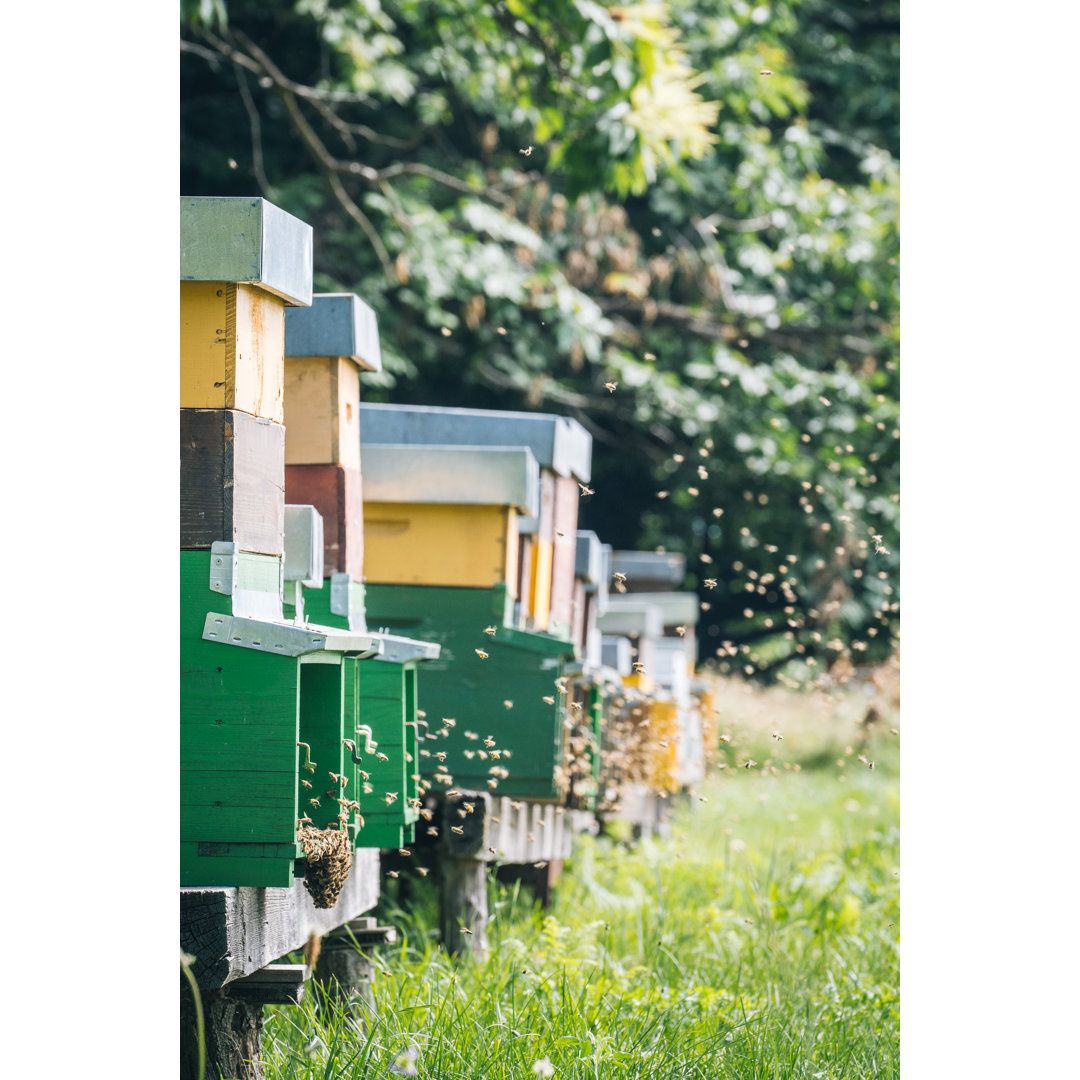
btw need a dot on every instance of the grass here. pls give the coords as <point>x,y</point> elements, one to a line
<point>759,940</point>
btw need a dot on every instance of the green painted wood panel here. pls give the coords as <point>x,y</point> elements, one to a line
<point>321,727</point>
<point>237,824</point>
<point>520,667</point>
<point>233,870</point>
<point>239,728</point>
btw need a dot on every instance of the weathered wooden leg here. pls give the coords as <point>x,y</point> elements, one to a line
<point>540,879</point>
<point>463,903</point>
<point>345,968</point>
<point>233,1037</point>
<point>463,842</point>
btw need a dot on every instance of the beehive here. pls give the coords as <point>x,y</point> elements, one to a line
<point>261,698</point>
<point>543,581</point>
<point>441,528</point>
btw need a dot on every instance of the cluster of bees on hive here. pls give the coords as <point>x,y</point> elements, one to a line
<point>329,855</point>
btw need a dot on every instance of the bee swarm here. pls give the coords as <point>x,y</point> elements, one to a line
<point>329,855</point>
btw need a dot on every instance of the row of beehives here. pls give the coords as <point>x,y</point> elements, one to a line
<point>501,663</point>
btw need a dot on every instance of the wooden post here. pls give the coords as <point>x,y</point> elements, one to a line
<point>462,869</point>
<point>463,905</point>
<point>233,1037</point>
<point>345,970</point>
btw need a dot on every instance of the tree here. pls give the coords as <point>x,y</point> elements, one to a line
<point>676,222</point>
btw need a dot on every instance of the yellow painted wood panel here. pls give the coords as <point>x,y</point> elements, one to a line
<point>438,544</point>
<point>322,403</point>
<point>540,583</point>
<point>232,349</point>
<point>663,745</point>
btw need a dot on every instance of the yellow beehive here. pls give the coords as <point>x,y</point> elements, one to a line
<point>445,515</point>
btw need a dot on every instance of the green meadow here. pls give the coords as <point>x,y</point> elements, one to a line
<point>759,938</point>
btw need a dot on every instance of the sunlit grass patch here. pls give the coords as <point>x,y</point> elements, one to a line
<point>758,940</point>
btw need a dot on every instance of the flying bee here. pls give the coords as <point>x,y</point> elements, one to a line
<point>452,793</point>
<point>404,851</point>
<point>576,706</point>
<point>469,807</point>
<point>549,701</point>
<point>619,577</point>
<point>662,494</point>
<point>490,631</point>
<point>540,865</point>
<point>489,741</point>
<point>527,151</point>
<point>531,838</point>
<point>381,756</point>
<point>423,871</point>
<point>448,722</point>
<point>432,831</point>
<point>765,71</point>
<point>639,667</point>
<point>426,813</point>
<point>306,783</point>
<point>466,930</point>
<point>493,851</point>
<point>611,387</point>
<point>516,805</point>
<point>710,583</point>
<point>300,822</point>
<point>390,798</point>
<point>586,490</point>
<point>457,829</point>
<point>493,784</point>
<point>315,802</point>
<point>749,763</point>
<point>440,754</point>
<point>508,704</point>
<point>681,631</point>
<point>483,655</point>
<point>392,873</point>
<point>777,736</point>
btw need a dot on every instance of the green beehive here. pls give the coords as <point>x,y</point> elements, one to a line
<point>261,710</point>
<point>262,741</point>
<point>441,561</point>
<point>516,749</point>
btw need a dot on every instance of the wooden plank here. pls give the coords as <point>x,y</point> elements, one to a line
<point>269,795</point>
<point>232,341</point>
<point>239,747</point>
<point>540,585</point>
<point>231,480</point>
<point>233,932</point>
<point>564,554</point>
<point>322,402</point>
<point>238,824</point>
<point>385,716</point>
<point>196,870</point>
<point>223,684</point>
<point>336,492</point>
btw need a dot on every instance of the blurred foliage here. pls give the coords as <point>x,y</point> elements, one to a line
<point>695,201</point>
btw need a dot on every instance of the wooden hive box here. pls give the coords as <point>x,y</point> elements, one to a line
<point>446,515</point>
<point>261,698</point>
<point>440,524</point>
<point>544,580</point>
<point>327,347</point>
